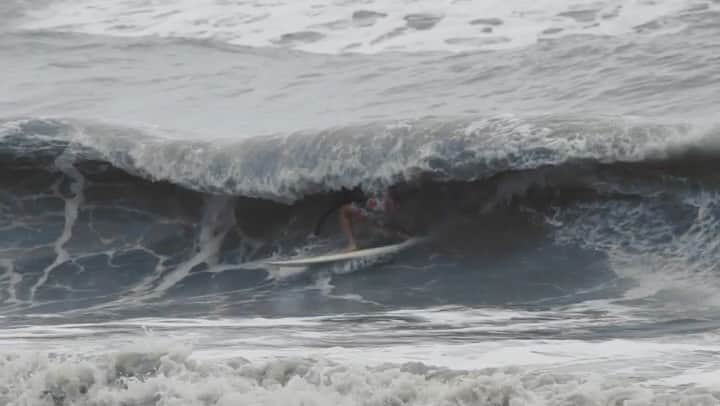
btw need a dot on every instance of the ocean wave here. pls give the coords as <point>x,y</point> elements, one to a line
<point>107,214</point>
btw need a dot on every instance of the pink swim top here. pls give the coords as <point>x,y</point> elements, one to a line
<point>381,204</point>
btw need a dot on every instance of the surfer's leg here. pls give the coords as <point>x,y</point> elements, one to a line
<point>347,212</point>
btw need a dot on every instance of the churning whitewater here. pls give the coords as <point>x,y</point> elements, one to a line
<point>560,157</point>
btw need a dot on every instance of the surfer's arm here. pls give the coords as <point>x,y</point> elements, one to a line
<point>321,221</point>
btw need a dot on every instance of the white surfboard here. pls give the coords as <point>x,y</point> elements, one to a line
<point>326,259</point>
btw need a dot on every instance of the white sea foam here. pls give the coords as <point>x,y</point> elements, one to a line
<point>382,154</point>
<point>158,371</point>
<point>667,253</point>
<point>361,26</point>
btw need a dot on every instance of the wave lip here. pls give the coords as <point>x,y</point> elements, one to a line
<point>288,167</point>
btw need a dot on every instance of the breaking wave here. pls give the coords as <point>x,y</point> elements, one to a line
<point>104,212</point>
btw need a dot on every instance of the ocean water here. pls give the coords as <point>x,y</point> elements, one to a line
<point>561,156</point>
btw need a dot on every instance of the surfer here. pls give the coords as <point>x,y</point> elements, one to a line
<point>355,206</point>
<point>375,210</point>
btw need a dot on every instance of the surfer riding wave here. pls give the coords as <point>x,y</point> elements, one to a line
<point>376,211</point>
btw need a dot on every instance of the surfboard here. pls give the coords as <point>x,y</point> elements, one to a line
<point>364,253</point>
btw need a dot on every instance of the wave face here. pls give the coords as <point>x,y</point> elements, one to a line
<point>106,216</point>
